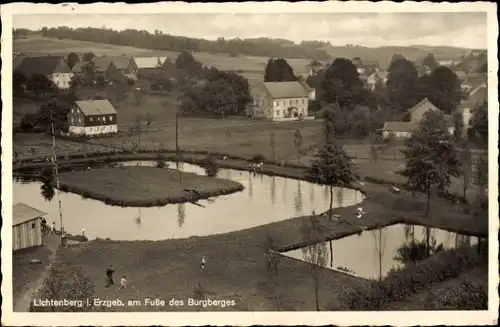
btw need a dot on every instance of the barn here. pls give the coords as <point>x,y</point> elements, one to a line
<point>26,226</point>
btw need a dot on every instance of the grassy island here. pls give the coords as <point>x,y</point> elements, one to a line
<point>144,186</point>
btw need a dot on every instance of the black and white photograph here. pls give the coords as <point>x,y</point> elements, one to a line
<point>251,158</point>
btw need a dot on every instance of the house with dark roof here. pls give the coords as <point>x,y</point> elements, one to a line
<point>26,226</point>
<point>147,66</point>
<point>280,101</point>
<point>92,117</point>
<point>404,129</point>
<point>124,64</point>
<point>99,67</point>
<point>54,68</point>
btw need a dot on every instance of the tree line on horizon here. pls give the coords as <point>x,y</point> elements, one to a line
<point>159,40</point>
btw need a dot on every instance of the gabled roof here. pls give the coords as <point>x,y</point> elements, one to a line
<point>281,90</point>
<point>101,63</point>
<point>22,213</point>
<point>400,126</point>
<point>121,62</point>
<point>96,107</point>
<point>306,86</point>
<point>477,96</point>
<point>79,65</point>
<point>424,103</point>
<point>43,65</point>
<point>150,62</point>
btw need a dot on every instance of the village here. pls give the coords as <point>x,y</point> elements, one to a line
<point>314,185</point>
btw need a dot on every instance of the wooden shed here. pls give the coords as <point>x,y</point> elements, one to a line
<point>26,226</point>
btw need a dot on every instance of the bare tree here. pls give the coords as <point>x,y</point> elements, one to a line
<point>272,143</point>
<point>379,249</point>
<point>315,254</point>
<point>272,268</point>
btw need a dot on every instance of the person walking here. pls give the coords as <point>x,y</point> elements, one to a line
<point>109,276</point>
<point>53,227</point>
<point>202,263</point>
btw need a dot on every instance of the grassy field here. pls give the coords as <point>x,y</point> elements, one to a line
<point>249,66</point>
<point>144,186</point>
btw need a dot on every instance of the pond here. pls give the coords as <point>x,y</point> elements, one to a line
<point>360,255</point>
<point>264,200</point>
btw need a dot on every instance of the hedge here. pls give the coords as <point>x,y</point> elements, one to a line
<point>413,278</point>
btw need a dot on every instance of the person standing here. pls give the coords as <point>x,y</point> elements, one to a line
<point>123,283</point>
<point>202,263</point>
<point>53,227</point>
<point>109,276</point>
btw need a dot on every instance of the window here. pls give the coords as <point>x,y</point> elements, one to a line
<point>110,118</point>
<point>79,119</point>
<point>303,101</point>
<point>33,225</point>
<point>276,103</point>
<point>91,119</point>
<point>277,112</point>
<point>296,102</point>
<point>104,118</point>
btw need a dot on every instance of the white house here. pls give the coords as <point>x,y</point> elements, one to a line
<point>92,117</point>
<point>280,101</point>
<point>54,68</point>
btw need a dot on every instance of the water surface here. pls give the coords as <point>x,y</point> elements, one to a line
<point>264,200</point>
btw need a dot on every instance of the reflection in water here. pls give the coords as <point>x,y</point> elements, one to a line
<point>375,253</point>
<point>340,197</point>
<point>326,193</point>
<point>298,199</point>
<point>227,213</point>
<point>250,185</point>
<point>273,190</point>
<point>47,191</point>
<point>181,213</point>
<point>311,192</point>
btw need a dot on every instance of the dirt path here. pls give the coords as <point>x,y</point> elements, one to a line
<point>22,304</point>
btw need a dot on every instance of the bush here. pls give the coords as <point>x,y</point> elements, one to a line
<point>209,163</point>
<point>413,278</point>
<point>470,295</point>
<point>258,158</point>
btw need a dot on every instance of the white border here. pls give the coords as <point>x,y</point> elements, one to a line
<point>248,318</point>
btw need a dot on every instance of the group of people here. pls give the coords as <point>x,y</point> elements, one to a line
<point>53,230</point>
<point>109,279</point>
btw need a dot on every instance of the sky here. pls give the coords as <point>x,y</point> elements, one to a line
<point>464,29</point>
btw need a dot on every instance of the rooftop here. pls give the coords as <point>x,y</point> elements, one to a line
<point>281,90</point>
<point>150,62</point>
<point>41,65</point>
<point>22,213</point>
<point>96,107</point>
<point>400,126</point>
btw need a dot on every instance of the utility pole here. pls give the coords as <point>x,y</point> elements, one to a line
<point>56,173</point>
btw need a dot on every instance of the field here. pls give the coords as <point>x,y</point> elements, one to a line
<point>249,66</point>
<point>144,186</point>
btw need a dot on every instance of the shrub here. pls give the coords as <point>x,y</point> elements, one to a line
<point>160,161</point>
<point>471,294</point>
<point>258,158</point>
<point>413,278</point>
<point>209,163</point>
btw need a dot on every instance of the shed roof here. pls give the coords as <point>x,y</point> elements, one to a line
<point>280,90</point>
<point>149,62</point>
<point>400,126</point>
<point>22,213</point>
<point>96,107</point>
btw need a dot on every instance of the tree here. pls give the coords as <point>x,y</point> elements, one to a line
<point>298,142</point>
<point>72,59</point>
<point>39,84</point>
<point>341,84</point>
<point>272,143</point>
<point>445,90</point>
<point>379,249</point>
<point>120,90</point>
<point>19,81</point>
<point>466,169</point>
<point>272,268</point>
<point>332,167</point>
<point>481,177</point>
<point>88,56</point>
<point>186,62</point>
<point>479,121</point>
<point>458,127</point>
<point>431,62</point>
<point>278,70</point>
<point>374,155</point>
<point>315,254</point>
<point>64,283</point>
<point>431,157</point>
<point>401,85</point>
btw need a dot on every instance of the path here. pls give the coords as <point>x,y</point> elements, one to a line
<point>51,242</point>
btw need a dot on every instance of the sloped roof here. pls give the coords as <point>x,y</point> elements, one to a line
<point>101,63</point>
<point>22,213</point>
<point>424,103</point>
<point>41,65</point>
<point>306,86</point>
<point>149,62</point>
<point>280,90</point>
<point>400,126</point>
<point>96,107</point>
<point>16,61</point>
<point>121,62</point>
<point>78,67</point>
<point>477,96</point>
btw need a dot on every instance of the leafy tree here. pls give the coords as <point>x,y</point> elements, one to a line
<point>466,170</point>
<point>76,81</point>
<point>431,157</point>
<point>401,85</point>
<point>298,142</point>
<point>445,89</point>
<point>341,84</point>
<point>316,254</point>
<point>332,167</point>
<point>88,56</point>
<point>481,177</point>
<point>458,126</point>
<point>39,84</point>
<point>66,283</point>
<point>186,61</point>
<point>19,81</point>
<point>120,90</point>
<point>479,121</point>
<point>72,59</point>
<point>431,62</point>
<point>278,70</point>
